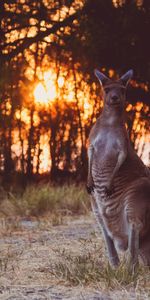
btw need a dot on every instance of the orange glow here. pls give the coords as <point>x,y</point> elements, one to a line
<point>111,73</point>
<point>139,106</point>
<point>60,82</point>
<point>45,160</point>
<point>40,94</point>
<point>46,90</point>
<point>44,93</point>
<point>72,90</point>
<point>24,115</point>
<point>129,107</point>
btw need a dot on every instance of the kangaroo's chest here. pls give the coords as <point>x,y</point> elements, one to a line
<point>107,146</point>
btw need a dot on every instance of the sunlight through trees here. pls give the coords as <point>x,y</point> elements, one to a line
<point>49,97</point>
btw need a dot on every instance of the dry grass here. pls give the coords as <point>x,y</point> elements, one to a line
<point>9,260</point>
<point>86,269</point>
<point>69,255</point>
<point>43,199</point>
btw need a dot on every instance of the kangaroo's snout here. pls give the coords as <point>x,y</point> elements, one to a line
<point>114,99</point>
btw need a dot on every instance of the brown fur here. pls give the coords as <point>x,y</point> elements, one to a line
<point>118,180</point>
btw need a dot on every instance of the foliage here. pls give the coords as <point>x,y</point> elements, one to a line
<point>70,39</point>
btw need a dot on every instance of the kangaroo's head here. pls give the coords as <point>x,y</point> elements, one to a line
<point>114,90</point>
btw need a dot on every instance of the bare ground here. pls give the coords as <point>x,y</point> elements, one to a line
<point>30,251</point>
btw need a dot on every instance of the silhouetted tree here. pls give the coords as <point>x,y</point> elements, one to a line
<point>71,38</point>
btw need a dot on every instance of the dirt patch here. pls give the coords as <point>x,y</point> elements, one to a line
<point>30,250</point>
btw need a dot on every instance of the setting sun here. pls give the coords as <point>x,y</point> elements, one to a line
<point>45,91</point>
<point>44,94</point>
<point>40,94</point>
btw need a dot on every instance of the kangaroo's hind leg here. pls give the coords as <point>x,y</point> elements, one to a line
<point>138,216</point>
<point>111,250</point>
<point>144,248</point>
<point>133,246</point>
<point>145,255</point>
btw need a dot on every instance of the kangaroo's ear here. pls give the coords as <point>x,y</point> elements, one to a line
<point>126,77</point>
<point>101,77</point>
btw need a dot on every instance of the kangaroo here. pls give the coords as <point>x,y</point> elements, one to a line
<point>114,93</point>
<point>118,180</point>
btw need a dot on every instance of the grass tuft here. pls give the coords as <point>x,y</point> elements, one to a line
<point>42,199</point>
<point>86,269</point>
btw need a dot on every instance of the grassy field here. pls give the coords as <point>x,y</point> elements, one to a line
<point>38,200</point>
<point>51,249</point>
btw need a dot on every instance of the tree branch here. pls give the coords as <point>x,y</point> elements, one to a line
<point>27,42</point>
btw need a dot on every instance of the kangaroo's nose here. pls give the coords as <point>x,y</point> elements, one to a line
<point>115,98</point>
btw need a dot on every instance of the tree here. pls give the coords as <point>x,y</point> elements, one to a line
<point>70,39</point>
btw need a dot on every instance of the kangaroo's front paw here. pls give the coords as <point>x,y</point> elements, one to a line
<point>90,188</point>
